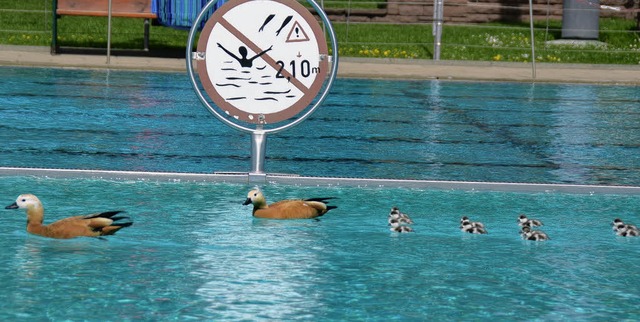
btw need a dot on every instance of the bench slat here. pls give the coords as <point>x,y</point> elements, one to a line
<point>119,8</point>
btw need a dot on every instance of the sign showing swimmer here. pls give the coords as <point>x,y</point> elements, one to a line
<point>262,61</point>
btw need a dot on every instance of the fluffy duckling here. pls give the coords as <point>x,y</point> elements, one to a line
<point>473,227</point>
<point>93,225</point>
<point>627,232</point>
<point>466,219</point>
<point>399,216</point>
<point>472,230</point>
<point>522,220</point>
<point>528,234</point>
<point>466,224</point>
<point>398,227</point>
<point>618,223</point>
<point>287,209</point>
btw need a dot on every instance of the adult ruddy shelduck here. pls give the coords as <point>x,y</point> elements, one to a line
<point>287,209</point>
<point>93,225</point>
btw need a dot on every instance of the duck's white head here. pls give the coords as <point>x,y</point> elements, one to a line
<point>255,197</point>
<point>25,201</point>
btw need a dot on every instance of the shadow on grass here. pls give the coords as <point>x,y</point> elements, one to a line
<point>128,48</point>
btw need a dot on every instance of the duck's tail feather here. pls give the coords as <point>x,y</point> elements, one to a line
<point>106,214</point>
<point>116,218</point>
<point>323,200</point>
<point>113,228</point>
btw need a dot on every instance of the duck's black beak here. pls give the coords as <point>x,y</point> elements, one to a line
<point>12,206</point>
<point>246,202</point>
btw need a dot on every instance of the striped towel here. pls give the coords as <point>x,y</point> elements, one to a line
<point>182,14</point>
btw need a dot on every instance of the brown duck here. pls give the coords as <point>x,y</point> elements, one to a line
<point>287,209</point>
<point>93,225</point>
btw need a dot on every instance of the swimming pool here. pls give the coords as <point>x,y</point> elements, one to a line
<point>431,130</point>
<point>195,252</point>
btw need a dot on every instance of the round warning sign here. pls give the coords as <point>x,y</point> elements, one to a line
<point>262,61</point>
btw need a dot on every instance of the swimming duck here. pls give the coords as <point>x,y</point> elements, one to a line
<point>528,234</point>
<point>473,230</point>
<point>467,223</point>
<point>398,227</point>
<point>399,216</point>
<point>473,227</point>
<point>625,230</point>
<point>287,209</point>
<point>473,223</point>
<point>532,222</point>
<point>92,225</point>
<point>618,223</point>
<point>401,220</point>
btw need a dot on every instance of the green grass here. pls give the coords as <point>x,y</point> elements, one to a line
<point>490,42</point>
<point>24,22</point>
<point>127,33</point>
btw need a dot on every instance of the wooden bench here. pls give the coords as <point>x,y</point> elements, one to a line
<point>100,8</point>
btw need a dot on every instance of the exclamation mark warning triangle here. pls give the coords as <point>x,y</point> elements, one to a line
<point>297,34</point>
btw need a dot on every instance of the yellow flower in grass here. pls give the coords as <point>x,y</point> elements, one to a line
<point>497,57</point>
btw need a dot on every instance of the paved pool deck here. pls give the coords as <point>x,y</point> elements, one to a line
<point>408,69</point>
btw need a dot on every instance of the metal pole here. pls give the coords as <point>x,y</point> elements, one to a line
<point>533,47</point>
<point>54,28</point>
<point>437,27</point>
<point>109,35</point>
<point>258,151</point>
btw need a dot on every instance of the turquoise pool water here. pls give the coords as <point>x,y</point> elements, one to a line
<point>514,132</point>
<point>195,252</point>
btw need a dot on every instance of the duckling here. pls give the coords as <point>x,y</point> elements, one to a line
<point>528,234</point>
<point>627,230</point>
<point>617,223</point>
<point>287,209</point>
<point>472,227</point>
<point>401,217</point>
<point>396,226</point>
<point>93,225</point>
<point>532,222</point>
<point>466,221</point>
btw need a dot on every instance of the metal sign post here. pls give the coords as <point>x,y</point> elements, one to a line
<point>438,17</point>
<point>262,63</point>
<point>533,43</point>
<point>110,7</point>
<point>258,150</point>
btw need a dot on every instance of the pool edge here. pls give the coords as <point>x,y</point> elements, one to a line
<point>243,177</point>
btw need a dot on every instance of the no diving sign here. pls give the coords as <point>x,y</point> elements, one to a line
<point>262,61</point>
